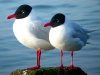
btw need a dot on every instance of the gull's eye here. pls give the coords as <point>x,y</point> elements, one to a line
<point>22,12</point>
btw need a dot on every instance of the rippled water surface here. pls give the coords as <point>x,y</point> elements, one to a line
<point>14,56</point>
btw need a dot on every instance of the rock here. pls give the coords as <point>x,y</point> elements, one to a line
<point>50,71</point>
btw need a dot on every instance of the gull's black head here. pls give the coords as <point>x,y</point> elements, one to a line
<point>56,20</point>
<point>21,12</point>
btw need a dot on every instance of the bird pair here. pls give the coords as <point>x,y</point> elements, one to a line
<point>63,34</point>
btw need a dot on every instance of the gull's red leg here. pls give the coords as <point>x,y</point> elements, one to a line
<point>72,66</point>
<point>38,55</point>
<point>61,63</point>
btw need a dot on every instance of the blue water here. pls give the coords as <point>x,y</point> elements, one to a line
<point>14,56</point>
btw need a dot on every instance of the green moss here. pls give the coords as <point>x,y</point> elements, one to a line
<point>50,71</point>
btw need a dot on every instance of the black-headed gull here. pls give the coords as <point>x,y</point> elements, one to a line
<point>29,31</point>
<point>66,35</point>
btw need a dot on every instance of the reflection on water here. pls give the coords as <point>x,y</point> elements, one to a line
<point>15,56</point>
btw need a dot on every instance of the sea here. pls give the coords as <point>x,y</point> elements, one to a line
<point>14,55</point>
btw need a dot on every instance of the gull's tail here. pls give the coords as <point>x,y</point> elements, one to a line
<point>90,31</point>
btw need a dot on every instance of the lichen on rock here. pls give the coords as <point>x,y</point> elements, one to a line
<point>50,71</point>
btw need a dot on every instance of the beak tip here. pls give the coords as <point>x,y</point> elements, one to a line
<point>11,16</point>
<point>8,17</point>
<point>47,24</point>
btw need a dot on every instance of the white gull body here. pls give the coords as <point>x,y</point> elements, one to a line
<point>68,36</point>
<point>30,32</point>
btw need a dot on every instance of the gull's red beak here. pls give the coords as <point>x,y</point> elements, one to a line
<point>47,24</point>
<point>11,16</point>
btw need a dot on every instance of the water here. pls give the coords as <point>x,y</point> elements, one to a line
<point>14,56</point>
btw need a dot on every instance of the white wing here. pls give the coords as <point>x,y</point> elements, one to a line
<point>40,32</point>
<point>80,33</point>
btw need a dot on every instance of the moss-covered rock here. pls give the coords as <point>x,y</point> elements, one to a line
<point>50,71</point>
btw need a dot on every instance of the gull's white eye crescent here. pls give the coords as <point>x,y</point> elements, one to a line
<point>57,20</point>
<point>22,12</point>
